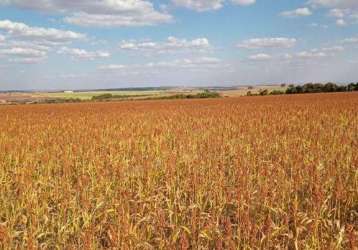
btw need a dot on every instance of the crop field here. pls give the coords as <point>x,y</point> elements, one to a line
<point>273,172</point>
<point>42,97</point>
<point>89,95</point>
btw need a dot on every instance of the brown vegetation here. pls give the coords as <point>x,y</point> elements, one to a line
<point>234,173</point>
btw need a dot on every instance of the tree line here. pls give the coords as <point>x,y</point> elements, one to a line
<point>310,88</point>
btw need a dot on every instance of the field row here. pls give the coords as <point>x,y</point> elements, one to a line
<point>232,173</point>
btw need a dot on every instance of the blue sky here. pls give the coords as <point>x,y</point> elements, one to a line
<point>63,44</point>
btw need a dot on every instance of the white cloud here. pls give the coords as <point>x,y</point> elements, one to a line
<point>333,49</point>
<point>99,13</point>
<point>310,54</point>
<point>26,54</point>
<point>23,52</point>
<point>344,16</point>
<point>287,56</point>
<point>243,2</point>
<point>208,5</point>
<point>339,13</point>
<point>335,3</point>
<point>113,67</point>
<point>33,43</point>
<point>341,22</point>
<point>260,57</point>
<point>345,11</point>
<point>316,25</point>
<point>172,44</point>
<point>297,12</point>
<point>85,19</point>
<point>21,30</point>
<point>350,40</point>
<point>354,16</point>
<point>186,63</point>
<point>27,60</point>
<point>315,53</point>
<point>71,76</point>
<point>27,44</point>
<point>200,5</point>
<point>83,54</point>
<point>273,42</point>
<point>134,45</point>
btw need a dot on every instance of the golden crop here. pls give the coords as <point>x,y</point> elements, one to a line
<point>235,173</point>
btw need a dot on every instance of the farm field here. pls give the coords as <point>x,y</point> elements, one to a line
<point>31,97</point>
<point>88,95</point>
<point>231,173</point>
<point>238,91</point>
<point>135,94</point>
<point>242,91</point>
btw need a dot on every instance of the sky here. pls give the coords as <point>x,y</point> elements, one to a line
<point>66,44</point>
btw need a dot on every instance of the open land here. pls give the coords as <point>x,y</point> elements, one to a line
<point>14,97</point>
<point>229,173</point>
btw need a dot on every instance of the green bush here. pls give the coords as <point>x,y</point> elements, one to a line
<point>263,92</point>
<point>102,97</point>
<point>207,94</point>
<point>277,92</point>
<point>320,88</point>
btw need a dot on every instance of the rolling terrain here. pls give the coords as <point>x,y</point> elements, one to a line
<point>230,173</point>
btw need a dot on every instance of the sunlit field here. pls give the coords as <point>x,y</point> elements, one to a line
<point>274,172</point>
<point>89,95</point>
